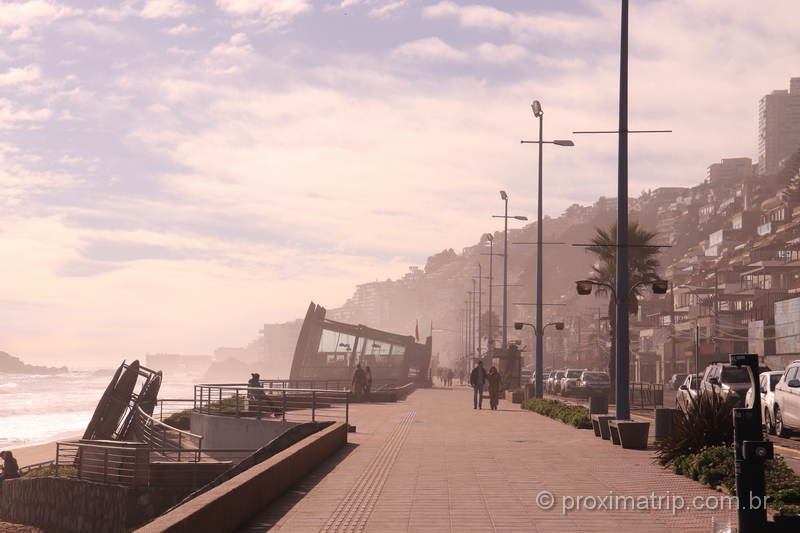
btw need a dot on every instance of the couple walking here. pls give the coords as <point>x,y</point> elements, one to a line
<point>478,379</point>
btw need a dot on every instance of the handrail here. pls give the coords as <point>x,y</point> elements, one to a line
<point>167,427</point>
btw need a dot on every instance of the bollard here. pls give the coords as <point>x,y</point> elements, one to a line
<point>751,452</point>
<point>598,405</point>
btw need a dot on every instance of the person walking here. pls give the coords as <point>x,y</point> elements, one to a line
<point>494,381</point>
<point>477,379</point>
<point>367,382</point>
<point>450,377</point>
<point>359,382</point>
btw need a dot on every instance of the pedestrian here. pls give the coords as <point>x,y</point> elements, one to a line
<point>477,379</point>
<point>359,382</point>
<point>450,374</point>
<point>368,382</point>
<point>494,381</point>
<point>10,466</point>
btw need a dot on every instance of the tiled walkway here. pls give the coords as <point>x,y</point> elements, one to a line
<point>432,463</point>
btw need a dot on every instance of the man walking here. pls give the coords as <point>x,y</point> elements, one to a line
<point>478,379</point>
<point>359,382</point>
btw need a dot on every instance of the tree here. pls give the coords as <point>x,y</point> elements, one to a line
<point>791,194</point>
<point>493,331</point>
<point>642,267</point>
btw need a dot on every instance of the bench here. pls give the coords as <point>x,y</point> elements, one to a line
<point>629,434</point>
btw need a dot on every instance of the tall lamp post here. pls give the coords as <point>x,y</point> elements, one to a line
<point>540,334</point>
<point>536,106</point>
<point>504,197</point>
<point>584,287</point>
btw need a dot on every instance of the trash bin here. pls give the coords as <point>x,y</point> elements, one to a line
<point>664,422</point>
<point>598,405</point>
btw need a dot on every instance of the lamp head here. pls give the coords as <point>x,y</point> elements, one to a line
<point>559,326</point>
<point>660,286</point>
<point>564,142</point>
<point>521,218</point>
<point>517,325</point>
<point>503,195</point>
<point>583,287</point>
<point>536,106</point>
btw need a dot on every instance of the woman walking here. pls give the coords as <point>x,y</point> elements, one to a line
<point>494,387</point>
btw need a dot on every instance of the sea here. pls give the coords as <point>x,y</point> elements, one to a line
<point>36,409</point>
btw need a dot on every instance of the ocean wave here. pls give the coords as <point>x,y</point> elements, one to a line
<point>8,387</point>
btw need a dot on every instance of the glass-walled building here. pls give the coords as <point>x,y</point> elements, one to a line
<point>327,349</point>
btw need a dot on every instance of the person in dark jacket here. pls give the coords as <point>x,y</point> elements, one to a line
<point>494,381</point>
<point>367,382</point>
<point>10,466</point>
<point>359,382</point>
<point>477,379</point>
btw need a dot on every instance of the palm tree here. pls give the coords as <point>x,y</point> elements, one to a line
<point>642,267</point>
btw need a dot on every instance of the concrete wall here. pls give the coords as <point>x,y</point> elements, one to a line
<point>229,505</point>
<point>65,505</point>
<point>229,432</point>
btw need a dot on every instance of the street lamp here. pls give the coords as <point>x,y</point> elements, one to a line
<point>559,327</point>
<point>536,106</point>
<point>504,197</point>
<point>584,287</point>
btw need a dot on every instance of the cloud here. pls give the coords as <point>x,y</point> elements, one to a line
<point>12,115</point>
<point>154,9</point>
<point>22,17</point>
<point>20,75</point>
<point>387,9</point>
<point>182,29</point>
<point>270,13</point>
<point>506,53</point>
<point>429,49</point>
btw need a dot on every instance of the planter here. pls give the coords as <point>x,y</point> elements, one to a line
<point>786,523</point>
<point>600,426</point>
<point>514,396</point>
<point>629,433</point>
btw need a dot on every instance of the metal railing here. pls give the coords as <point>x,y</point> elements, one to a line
<point>172,442</point>
<point>646,395</point>
<point>287,404</point>
<point>138,464</point>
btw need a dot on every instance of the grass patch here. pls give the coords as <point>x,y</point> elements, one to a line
<point>179,420</point>
<point>573,415</point>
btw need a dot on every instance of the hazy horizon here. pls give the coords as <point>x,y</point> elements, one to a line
<point>174,174</point>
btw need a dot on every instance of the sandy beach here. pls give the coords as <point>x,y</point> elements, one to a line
<point>39,453</point>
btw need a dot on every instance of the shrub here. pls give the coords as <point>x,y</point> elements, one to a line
<point>52,471</point>
<point>707,422</point>
<point>179,420</point>
<point>715,467</point>
<point>569,414</point>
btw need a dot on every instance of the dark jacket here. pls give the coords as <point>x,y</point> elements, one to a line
<point>10,468</point>
<point>478,376</point>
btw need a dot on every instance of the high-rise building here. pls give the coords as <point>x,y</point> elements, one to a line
<point>734,168</point>
<point>778,127</point>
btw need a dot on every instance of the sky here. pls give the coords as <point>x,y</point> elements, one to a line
<point>173,174</point>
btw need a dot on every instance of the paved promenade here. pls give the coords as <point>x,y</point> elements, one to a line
<point>432,463</point>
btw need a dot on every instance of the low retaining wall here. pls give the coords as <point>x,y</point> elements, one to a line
<point>66,505</point>
<point>229,432</point>
<point>229,505</point>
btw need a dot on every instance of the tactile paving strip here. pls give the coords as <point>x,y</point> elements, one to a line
<point>353,511</point>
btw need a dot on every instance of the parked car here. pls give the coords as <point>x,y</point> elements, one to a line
<point>676,380</point>
<point>527,375</point>
<point>593,383</point>
<point>727,381</point>
<point>687,391</point>
<point>766,383</point>
<point>554,382</point>
<point>786,409</point>
<point>570,381</point>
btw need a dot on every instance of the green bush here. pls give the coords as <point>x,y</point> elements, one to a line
<point>52,471</point>
<point>706,423</point>
<point>569,414</point>
<point>715,467</point>
<point>179,420</point>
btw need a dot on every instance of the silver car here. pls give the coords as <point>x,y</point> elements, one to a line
<point>569,383</point>
<point>766,383</point>
<point>687,392</point>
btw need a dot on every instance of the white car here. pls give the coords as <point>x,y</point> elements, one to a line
<point>786,405</point>
<point>766,383</point>
<point>570,380</point>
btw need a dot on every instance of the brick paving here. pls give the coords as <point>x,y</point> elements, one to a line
<point>432,463</point>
